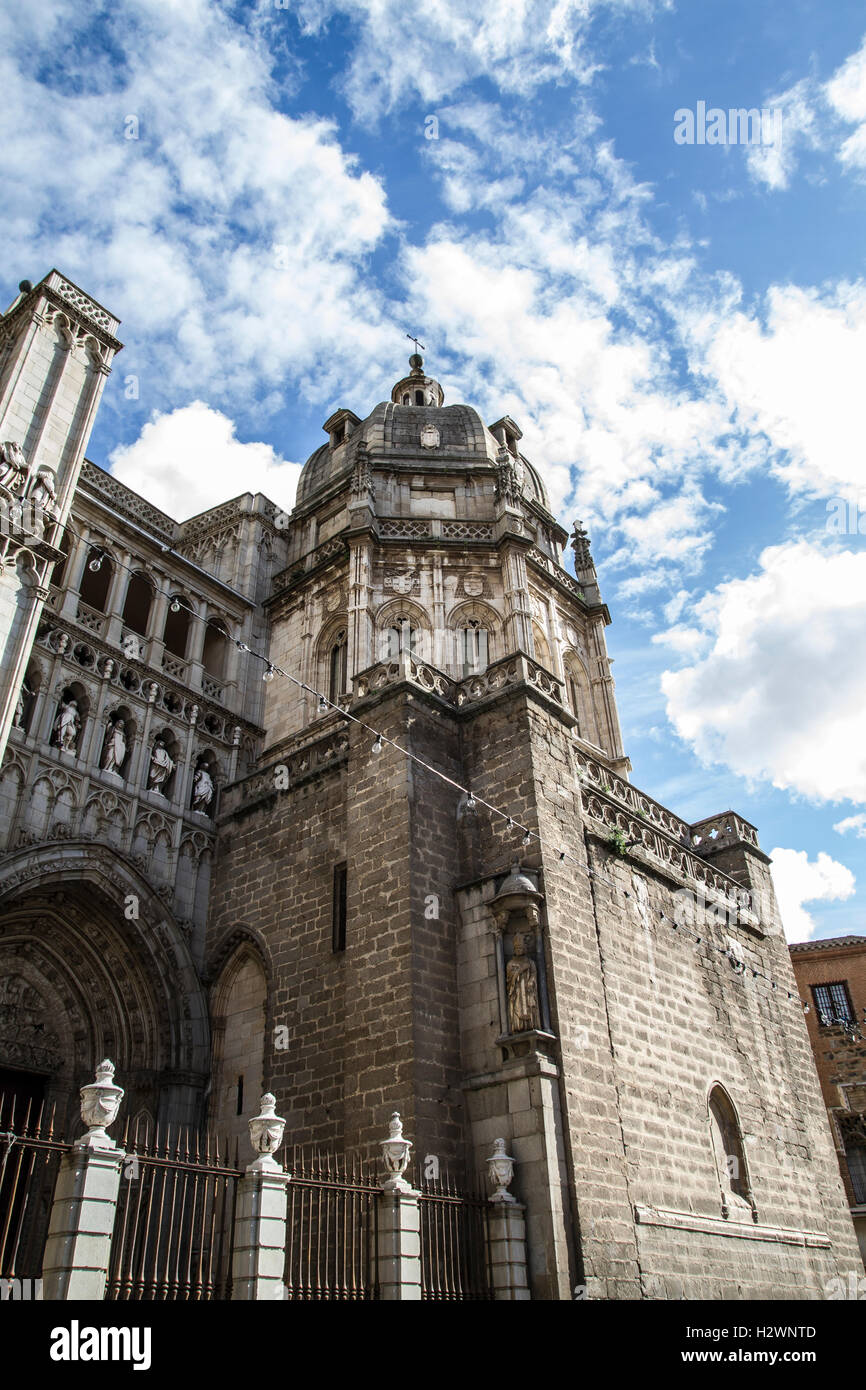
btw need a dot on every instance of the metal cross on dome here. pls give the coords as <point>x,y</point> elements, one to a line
<point>417,342</point>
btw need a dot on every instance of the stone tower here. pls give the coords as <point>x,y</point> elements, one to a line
<point>465,910</point>
<point>56,350</point>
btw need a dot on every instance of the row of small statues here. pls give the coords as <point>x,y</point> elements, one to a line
<point>67,727</point>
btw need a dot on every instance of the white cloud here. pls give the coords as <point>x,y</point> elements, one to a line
<point>514,44</point>
<point>816,116</point>
<point>231,238</point>
<point>798,880</point>
<point>191,459</point>
<point>779,695</point>
<point>856,823</point>
<point>795,378</point>
<point>846,93</point>
<point>796,126</point>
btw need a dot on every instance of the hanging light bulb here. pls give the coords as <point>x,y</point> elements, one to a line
<point>95,564</point>
<point>323,705</point>
<point>268,673</point>
<point>175,605</point>
<point>526,839</point>
<point>471,803</point>
<point>242,646</point>
<point>377,746</point>
<point>509,824</point>
<point>561,855</point>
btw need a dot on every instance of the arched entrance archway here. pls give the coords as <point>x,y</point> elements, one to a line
<point>93,965</point>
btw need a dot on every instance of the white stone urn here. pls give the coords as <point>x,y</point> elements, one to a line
<point>266,1135</point>
<point>100,1102</point>
<point>500,1166</point>
<point>395,1153</point>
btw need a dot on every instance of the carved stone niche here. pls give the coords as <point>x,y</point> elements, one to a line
<point>520,970</point>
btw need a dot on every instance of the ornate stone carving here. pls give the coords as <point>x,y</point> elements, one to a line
<point>430,434</point>
<point>26,1037</point>
<point>13,465</point>
<point>362,477</point>
<point>402,581</point>
<point>580,546</point>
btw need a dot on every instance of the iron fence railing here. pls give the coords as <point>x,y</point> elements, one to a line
<point>174,1223</point>
<point>455,1250</point>
<point>332,1226</point>
<point>30,1154</point>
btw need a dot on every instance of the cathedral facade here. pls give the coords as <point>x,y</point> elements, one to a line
<point>335,803</point>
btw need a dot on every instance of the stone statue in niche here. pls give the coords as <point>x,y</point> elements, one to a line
<point>521,979</point>
<point>24,696</point>
<point>161,767</point>
<point>67,726</point>
<point>114,751</point>
<point>202,790</point>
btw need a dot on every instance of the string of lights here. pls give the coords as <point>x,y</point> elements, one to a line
<point>472,801</point>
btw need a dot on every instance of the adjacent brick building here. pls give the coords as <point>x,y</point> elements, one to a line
<point>831,975</point>
<point>421,878</point>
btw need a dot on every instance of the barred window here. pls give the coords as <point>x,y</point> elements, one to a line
<point>856,1156</point>
<point>833,1003</point>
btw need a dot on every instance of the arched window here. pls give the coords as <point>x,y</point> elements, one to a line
<point>580,698</point>
<point>419,397</point>
<point>136,605</point>
<point>542,650</point>
<point>337,668</point>
<point>473,648</point>
<point>215,648</point>
<point>96,580</point>
<point>728,1153</point>
<point>400,637</point>
<point>177,621</point>
<point>407,399</point>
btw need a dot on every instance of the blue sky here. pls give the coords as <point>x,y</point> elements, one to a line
<point>679,329</point>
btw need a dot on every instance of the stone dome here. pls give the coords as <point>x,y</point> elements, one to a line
<point>451,434</point>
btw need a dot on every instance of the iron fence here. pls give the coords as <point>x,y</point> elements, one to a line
<point>331,1227</point>
<point>30,1154</point>
<point>174,1222</point>
<point>455,1249</point>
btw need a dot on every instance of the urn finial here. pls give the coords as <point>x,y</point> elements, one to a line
<point>501,1170</point>
<point>100,1102</point>
<point>266,1135</point>
<point>395,1152</point>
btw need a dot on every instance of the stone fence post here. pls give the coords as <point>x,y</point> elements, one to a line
<point>398,1252</point>
<point>259,1253</point>
<point>78,1249</point>
<point>506,1230</point>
